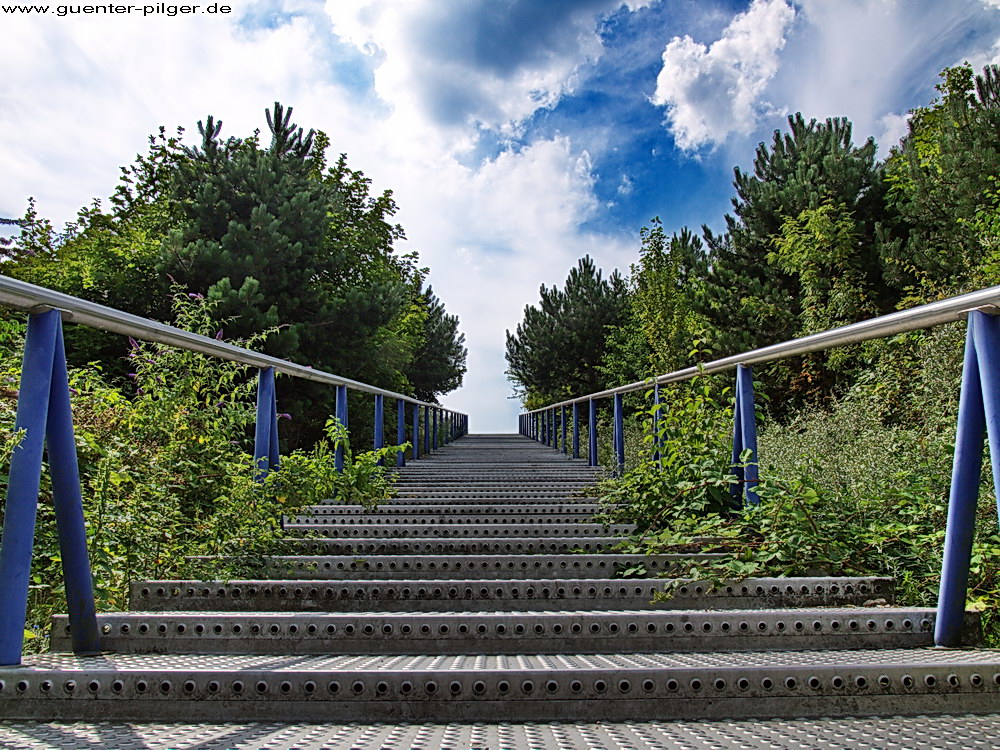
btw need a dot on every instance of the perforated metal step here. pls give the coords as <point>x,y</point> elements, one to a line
<point>498,688</point>
<point>527,517</point>
<point>957,732</point>
<point>513,633</point>
<point>460,530</point>
<point>502,595</point>
<point>449,567</point>
<point>440,546</point>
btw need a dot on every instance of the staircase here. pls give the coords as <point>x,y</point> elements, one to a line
<point>468,598</point>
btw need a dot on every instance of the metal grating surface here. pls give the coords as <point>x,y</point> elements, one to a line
<point>962,732</point>
<point>511,633</point>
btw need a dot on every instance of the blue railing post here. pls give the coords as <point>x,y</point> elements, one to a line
<point>576,430</point>
<point>416,430</point>
<point>379,421</point>
<point>444,426</point>
<point>745,438</point>
<point>978,414</point>
<point>338,458</point>
<point>434,439</point>
<point>553,429</point>
<point>563,422</point>
<point>400,431</point>
<point>592,435</point>
<point>265,444</point>
<point>619,438</point>
<point>44,413</point>
<point>427,429</point>
<point>657,458</point>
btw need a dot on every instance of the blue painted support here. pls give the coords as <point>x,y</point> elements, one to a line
<point>744,438</point>
<point>265,444</point>
<point>427,429</point>
<point>543,422</point>
<point>416,430</point>
<point>553,429</point>
<point>338,458</point>
<point>43,412</point>
<point>576,430</point>
<point>619,438</point>
<point>379,423</point>
<point>400,431</point>
<point>563,422</point>
<point>434,439</point>
<point>978,413</point>
<point>444,429</point>
<point>657,442</point>
<point>592,435</point>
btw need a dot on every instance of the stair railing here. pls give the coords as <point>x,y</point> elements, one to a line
<point>978,415</point>
<point>44,415</point>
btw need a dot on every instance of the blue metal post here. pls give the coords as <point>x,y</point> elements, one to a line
<point>400,431</point>
<point>978,413</point>
<point>592,435</point>
<point>416,430</point>
<point>745,438</point>
<point>553,434</point>
<point>444,427</point>
<point>266,430</point>
<point>619,415</point>
<point>562,421</point>
<point>338,458</point>
<point>656,425</point>
<point>427,429</point>
<point>576,430</point>
<point>434,439</point>
<point>379,421</point>
<point>43,412</point>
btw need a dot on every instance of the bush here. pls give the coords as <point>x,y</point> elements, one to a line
<point>167,471</point>
<point>856,487</point>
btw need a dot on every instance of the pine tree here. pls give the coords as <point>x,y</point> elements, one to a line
<point>557,349</point>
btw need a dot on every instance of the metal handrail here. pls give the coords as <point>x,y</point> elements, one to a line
<point>29,297</point>
<point>915,318</point>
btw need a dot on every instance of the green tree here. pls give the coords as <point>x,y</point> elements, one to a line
<point>557,348</point>
<point>439,362</point>
<point>942,182</point>
<point>750,299</point>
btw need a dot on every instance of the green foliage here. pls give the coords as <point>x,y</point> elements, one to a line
<point>167,472</point>
<point>941,179</point>
<point>685,466</point>
<point>283,241</point>
<point>557,348</point>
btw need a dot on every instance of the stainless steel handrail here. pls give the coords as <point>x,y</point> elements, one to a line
<point>923,316</point>
<point>25,296</point>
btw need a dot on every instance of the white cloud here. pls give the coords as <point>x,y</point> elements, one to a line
<point>712,91</point>
<point>872,60</point>
<point>449,70</point>
<point>87,94</point>
<point>893,127</point>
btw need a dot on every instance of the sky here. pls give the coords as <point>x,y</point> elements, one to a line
<point>516,135</point>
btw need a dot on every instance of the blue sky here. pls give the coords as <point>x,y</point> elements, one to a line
<point>517,135</point>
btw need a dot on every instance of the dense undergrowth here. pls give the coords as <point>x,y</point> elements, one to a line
<point>167,474</point>
<point>858,486</point>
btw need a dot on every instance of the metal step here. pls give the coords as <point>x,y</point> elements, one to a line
<point>444,567</point>
<point>467,530</point>
<point>432,595</point>
<point>377,518</point>
<point>541,632</point>
<point>498,688</point>
<point>396,507</point>
<point>949,731</point>
<point>447,546</point>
